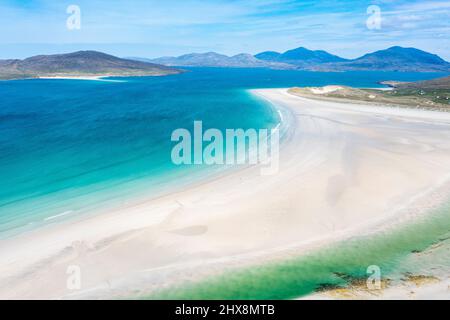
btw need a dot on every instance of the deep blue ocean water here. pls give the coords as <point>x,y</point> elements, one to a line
<point>69,147</point>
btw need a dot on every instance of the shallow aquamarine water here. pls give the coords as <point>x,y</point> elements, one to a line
<point>71,147</point>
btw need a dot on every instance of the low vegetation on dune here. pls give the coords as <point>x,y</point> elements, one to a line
<point>430,95</point>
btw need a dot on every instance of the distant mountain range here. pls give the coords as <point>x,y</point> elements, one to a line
<point>213,59</point>
<point>79,64</point>
<point>391,59</point>
<point>93,63</point>
<point>300,57</point>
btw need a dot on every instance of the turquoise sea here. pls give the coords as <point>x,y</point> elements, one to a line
<point>73,147</point>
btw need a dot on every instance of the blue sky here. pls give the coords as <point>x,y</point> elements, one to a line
<point>149,28</point>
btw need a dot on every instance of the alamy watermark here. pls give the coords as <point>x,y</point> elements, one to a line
<point>73,22</point>
<point>73,281</point>
<point>234,146</point>
<point>374,280</point>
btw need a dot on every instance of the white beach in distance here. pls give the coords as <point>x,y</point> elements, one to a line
<point>104,78</point>
<point>344,170</point>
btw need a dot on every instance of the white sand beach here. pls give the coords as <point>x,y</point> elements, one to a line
<point>105,78</point>
<point>344,170</point>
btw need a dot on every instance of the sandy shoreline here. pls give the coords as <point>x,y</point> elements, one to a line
<point>343,168</point>
<point>97,78</point>
<point>76,77</point>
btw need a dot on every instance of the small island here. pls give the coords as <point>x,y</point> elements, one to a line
<point>79,65</point>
